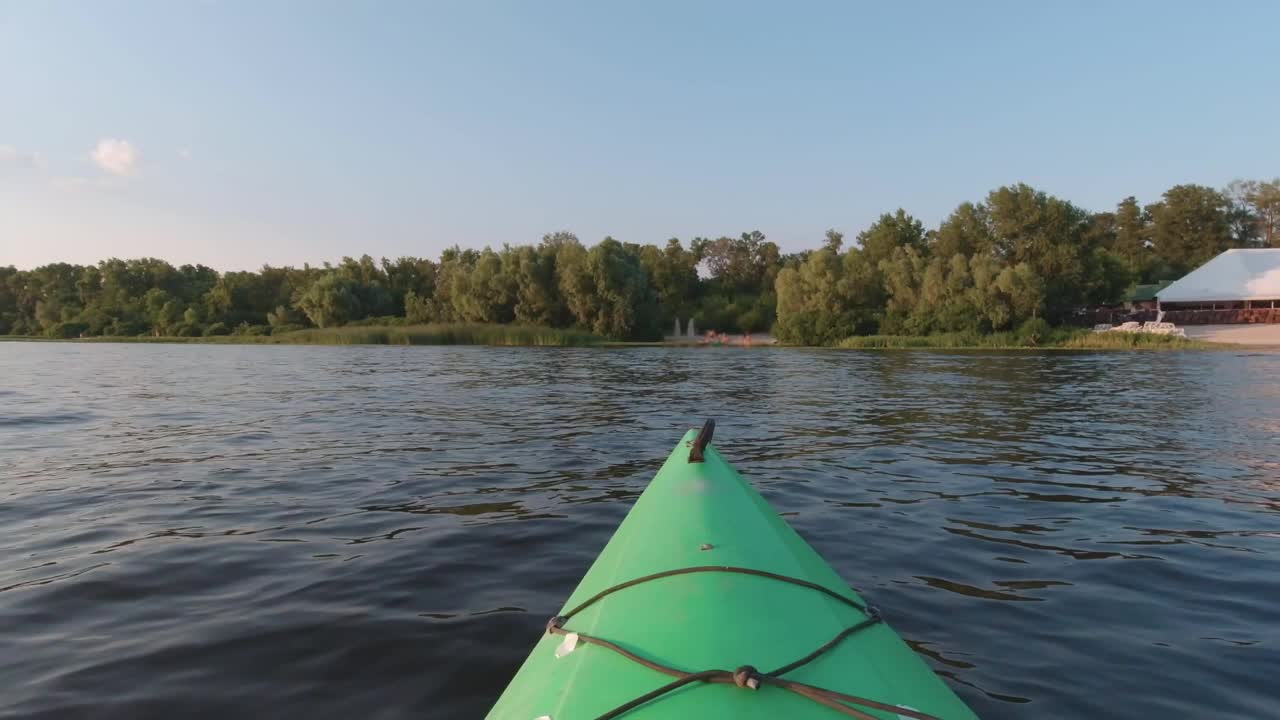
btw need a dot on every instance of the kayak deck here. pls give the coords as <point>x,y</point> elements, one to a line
<point>704,514</point>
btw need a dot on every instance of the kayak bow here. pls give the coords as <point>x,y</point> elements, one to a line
<point>705,603</point>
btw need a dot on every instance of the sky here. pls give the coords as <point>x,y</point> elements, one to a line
<point>238,133</point>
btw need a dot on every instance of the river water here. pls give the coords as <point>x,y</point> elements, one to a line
<point>381,532</point>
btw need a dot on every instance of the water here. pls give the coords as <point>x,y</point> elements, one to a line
<point>381,532</point>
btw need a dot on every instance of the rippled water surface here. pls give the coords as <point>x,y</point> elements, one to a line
<point>381,532</point>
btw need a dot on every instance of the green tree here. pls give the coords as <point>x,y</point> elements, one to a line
<point>1261,201</point>
<point>1189,226</point>
<point>738,295</point>
<point>608,293</point>
<point>533,271</point>
<point>948,295</point>
<point>1265,198</point>
<point>1025,290</point>
<point>284,317</point>
<point>573,279</point>
<point>9,280</point>
<point>483,291</point>
<point>834,241</point>
<point>967,231</point>
<point>828,297</point>
<point>162,311</point>
<point>905,310</point>
<point>1243,223</point>
<point>368,282</point>
<point>992,303</point>
<point>1017,259</point>
<point>1130,240</point>
<point>932,294</point>
<point>673,273</point>
<point>1051,236</point>
<point>405,275</point>
<point>418,309</point>
<point>331,300</point>
<point>888,233</point>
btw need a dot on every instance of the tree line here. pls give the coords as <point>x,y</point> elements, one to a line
<point>1019,256</point>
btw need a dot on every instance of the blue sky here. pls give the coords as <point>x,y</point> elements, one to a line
<point>241,133</point>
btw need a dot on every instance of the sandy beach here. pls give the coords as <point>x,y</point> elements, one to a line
<point>1239,334</point>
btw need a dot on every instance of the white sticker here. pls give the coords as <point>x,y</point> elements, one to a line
<point>566,647</point>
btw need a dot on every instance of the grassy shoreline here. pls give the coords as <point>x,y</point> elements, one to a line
<point>452,334</point>
<point>529,336</point>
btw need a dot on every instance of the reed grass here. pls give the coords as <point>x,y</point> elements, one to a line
<point>441,334</point>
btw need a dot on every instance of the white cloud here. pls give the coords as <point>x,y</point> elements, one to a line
<point>11,158</point>
<point>184,153</point>
<point>118,157</point>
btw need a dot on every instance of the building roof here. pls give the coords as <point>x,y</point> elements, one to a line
<point>1240,274</point>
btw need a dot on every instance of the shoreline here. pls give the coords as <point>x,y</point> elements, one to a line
<point>525,336</point>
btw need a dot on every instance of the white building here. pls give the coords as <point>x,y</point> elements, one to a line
<point>1241,279</point>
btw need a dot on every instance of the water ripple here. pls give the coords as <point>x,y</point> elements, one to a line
<point>224,531</point>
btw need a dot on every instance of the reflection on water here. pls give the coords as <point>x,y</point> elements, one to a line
<point>332,532</point>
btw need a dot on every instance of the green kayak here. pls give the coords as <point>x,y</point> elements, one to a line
<point>706,604</point>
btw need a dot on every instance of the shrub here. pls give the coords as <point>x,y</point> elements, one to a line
<point>126,328</point>
<point>1034,331</point>
<point>245,329</point>
<point>384,321</point>
<point>66,330</point>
